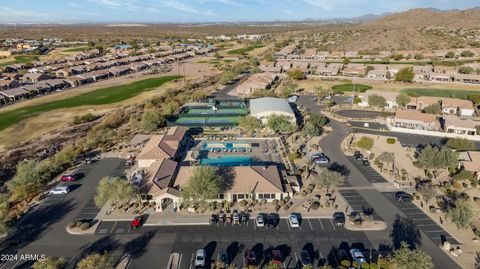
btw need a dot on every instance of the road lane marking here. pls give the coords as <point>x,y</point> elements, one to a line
<point>114,224</point>
<point>320,220</point>
<point>311,227</point>
<point>332,224</point>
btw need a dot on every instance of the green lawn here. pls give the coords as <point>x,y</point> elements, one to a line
<point>100,96</point>
<point>78,49</point>
<point>245,50</point>
<point>350,88</point>
<point>21,59</point>
<point>439,92</point>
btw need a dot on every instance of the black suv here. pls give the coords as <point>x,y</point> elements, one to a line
<point>402,196</point>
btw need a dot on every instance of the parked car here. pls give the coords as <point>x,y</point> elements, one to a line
<point>70,177</point>
<point>60,190</point>
<point>321,160</point>
<point>365,162</point>
<point>271,222</point>
<point>276,256</point>
<point>293,220</point>
<point>260,221</point>
<point>250,258</point>
<point>339,218</point>
<point>200,258</point>
<point>350,98</point>
<point>358,156</point>
<point>402,196</point>
<point>222,218</point>
<point>243,218</point>
<point>305,258</point>
<point>357,255</point>
<point>236,218</point>
<point>136,222</point>
<point>214,219</point>
<point>292,99</point>
<point>225,258</point>
<point>317,155</point>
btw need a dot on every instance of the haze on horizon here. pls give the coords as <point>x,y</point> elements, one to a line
<point>178,11</point>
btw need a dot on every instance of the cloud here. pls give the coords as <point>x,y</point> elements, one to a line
<point>329,5</point>
<point>72,4</point>
<point>177,5</point>
<point>15,15</point>
<point>132,5</point>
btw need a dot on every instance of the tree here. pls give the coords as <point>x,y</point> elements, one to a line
<point>296,74</point>
<point>467,54</point>
<point>428,191</point>
<point>461,214</point>
<point>433,109</point>
<point>151,120</point>
<point>95,261</point>
<point>204,184</point>
<point>466,70</point>
<point>403,99</point>
<point>461,144</point>
<point>406,258</point>
<point>365,143</point>
<point>49,263</point>
<point>450,55</point>
<point>405,74</point>
<point>346,60</point>
<point>280,123</point>
<point>116,190</point>
<point>418,56</point>
<point>27,181</point>
<point>322,92</point>
<point>269,57</point>
<point>437,158</point>
<point>249,124</point>
<point>377,101</point>
<point>313,125</point>
<point>475,98</point>
<point>327,178</point>
<point>357,100</point>
<point>4,210</point>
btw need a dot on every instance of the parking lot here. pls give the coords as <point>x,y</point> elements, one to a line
<point>371,175</point>
<point>424,222</point>
<point>356,202</point>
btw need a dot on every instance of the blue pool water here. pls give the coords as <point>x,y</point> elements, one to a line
<point>227,161</point>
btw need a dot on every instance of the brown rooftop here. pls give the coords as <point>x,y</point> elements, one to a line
<point>409,114</point>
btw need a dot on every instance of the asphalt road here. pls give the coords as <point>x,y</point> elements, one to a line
<point>385,208</point>
<point>358,114</point>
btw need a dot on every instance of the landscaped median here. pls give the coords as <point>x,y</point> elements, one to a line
<point>102,96</point>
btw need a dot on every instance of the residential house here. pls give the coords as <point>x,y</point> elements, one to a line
<point>8,84</point>
<point>440,77</point>
<point>351,54</point>
<point>420,103</point>
<point>309,54</point>
<point>412,119</point>
<point>35,77</point>
<point>377,74</point>
<point>454,125</point>
<point>422,72</point>
<point>336,55</point>
<point>458,107</point>
<point>390,98</point>
<point>120,70</point>
<point>354,70</point>
<point>14,94</point>
<point>467,78</point>
<point>256,82</point>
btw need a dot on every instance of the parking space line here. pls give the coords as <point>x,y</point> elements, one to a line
<point>311,227</point>
<point>319,220</point>
<point>288,226</point>
<point>332,224</point>
<point>191,262</point>
<point>115,224</point>
<point>180,260</point>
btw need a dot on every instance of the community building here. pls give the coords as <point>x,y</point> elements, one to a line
<point>263,108</point>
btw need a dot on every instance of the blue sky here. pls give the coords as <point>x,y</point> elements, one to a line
<point>72,11</point>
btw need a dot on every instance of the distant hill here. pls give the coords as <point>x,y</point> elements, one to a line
<point>423,28</point>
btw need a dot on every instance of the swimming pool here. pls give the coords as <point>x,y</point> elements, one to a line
<point>227,161</point>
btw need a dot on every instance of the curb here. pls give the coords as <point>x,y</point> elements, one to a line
<point>352,227</point>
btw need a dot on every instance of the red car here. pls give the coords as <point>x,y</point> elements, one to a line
<point>136,223</point>
<point>68,178</point>
<point>277,256</point>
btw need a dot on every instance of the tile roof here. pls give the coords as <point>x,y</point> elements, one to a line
<point>410,114</point>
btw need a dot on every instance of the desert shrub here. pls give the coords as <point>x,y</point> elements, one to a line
<point>286,199</point>
<point>281,203</point>
<point>78,224</point>
<point>242,203</point>
<point>391,140</point>
<point>84,226</point>
<point>72,225</point>
<point>275,202</point>
<point>315,205</point>
<point>346,263</point>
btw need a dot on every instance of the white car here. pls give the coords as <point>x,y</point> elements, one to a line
<point>200,258</point>
<point>357,255</point>
<point>292,99</point>
<point>260,221</point>
<point>60,190</point>
<point>293,220</point>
